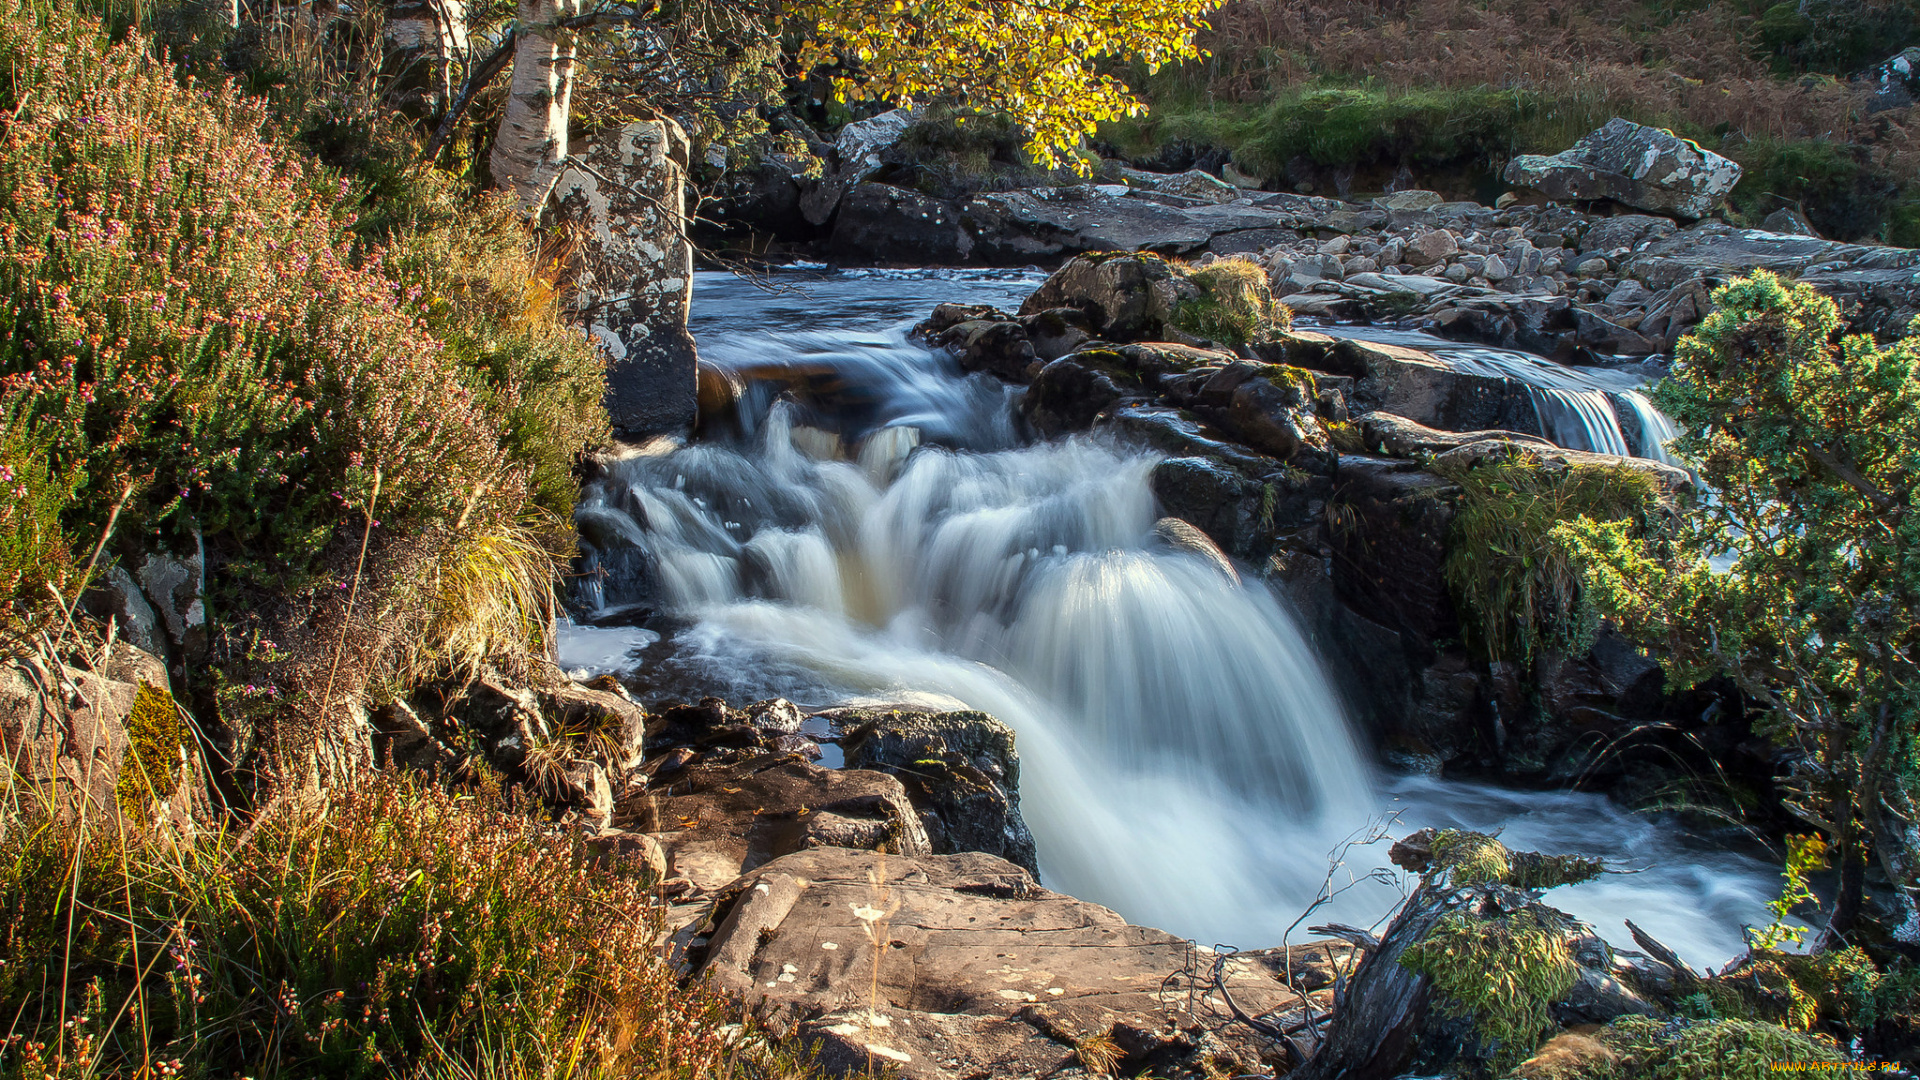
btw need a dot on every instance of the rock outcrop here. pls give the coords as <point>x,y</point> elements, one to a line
<point>624,192</point>
<point>100,746</point>
<point>961,965</point>
<point>1639,166</point>
<point>960,770</point>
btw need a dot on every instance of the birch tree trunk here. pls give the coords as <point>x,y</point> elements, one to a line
<point>532,142</point>
<point>424,39</point>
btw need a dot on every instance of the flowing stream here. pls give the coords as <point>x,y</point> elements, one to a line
<point>873,530</point>
<point>1584,408</point>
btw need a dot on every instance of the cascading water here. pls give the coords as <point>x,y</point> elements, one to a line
<point>1184,758</point>
<point>1578,408</point>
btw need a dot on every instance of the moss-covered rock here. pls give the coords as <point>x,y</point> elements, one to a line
<point>1235,305</point>
<point>156,740</point>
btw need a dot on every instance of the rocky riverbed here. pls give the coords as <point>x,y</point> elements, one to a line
<point>1591,277</point>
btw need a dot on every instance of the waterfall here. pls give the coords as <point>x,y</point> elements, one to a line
<point>1655,428</point>
<point>868,529</point>
<point>1177,728</point>
<point>1579,419</point>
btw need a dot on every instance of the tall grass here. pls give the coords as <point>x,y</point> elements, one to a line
<point>399,930</point>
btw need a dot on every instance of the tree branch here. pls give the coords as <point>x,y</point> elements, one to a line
<point>477,80</point>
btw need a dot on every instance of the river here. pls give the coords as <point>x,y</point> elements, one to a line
<point>885,536</point>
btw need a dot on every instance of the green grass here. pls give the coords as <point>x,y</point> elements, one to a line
<point>1517,591</point>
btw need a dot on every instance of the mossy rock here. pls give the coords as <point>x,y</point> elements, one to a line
<point>156,734</point>
<point>1235,305</point>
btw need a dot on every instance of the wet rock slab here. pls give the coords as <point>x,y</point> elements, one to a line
<point>980,972</point>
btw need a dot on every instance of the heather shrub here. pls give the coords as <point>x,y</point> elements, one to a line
<point>215,336</point>
<point>397,930</point>
<point>189,319</point>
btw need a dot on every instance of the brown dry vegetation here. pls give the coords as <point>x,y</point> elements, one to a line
<point>1531,76</point>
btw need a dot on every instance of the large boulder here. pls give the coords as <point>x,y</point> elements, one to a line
<point>1200,186</point>
<point>625,194</point>
<point>1427,390</point>
<point>1125,297</point>
<point>858,150</point>
<point>890,224</point>
<point>962,966</point>
<point>1639,166</point>
<point>960,769</point>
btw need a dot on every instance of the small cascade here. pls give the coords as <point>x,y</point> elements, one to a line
<point>1578,408</point>
<point>1579,419</point>
<point>1655,428</point>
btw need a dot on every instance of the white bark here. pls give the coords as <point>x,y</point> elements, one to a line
<point>424,38</point>
<point>532,142</point>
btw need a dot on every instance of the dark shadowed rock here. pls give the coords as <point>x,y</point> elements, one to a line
<point>960,769</point>
<point>890,224</point>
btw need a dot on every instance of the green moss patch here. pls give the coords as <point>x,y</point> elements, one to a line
<point>1517,591</point>
<point>155,734</point>
<point>1235,305</point>
<point>1503,970</point>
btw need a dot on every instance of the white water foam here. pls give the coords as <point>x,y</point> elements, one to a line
<point>1184,758</point>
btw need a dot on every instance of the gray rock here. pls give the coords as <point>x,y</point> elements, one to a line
<point>1124,299</point>
<point>858,148</point>
<point>1176,535</point>
<point>1883,282</point>
<point>960,769</point>
<point>1897,81</point>
<point>177,587</point>
<point>1630,163</point>
<point>1397,436</point>
<point>123,602</point>
<point>1195,184</point>
<point>1495,269</point>
<point>1623,233</point>
<point>891,224</point>
<point>637,852</point>
<point>625,195</point>
<point>1789,221</point>
<point>1415,385</point>
<point>1431,247</point>
<point>611,723</point>
<point>1414,199</point>
<point>79,745</point>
